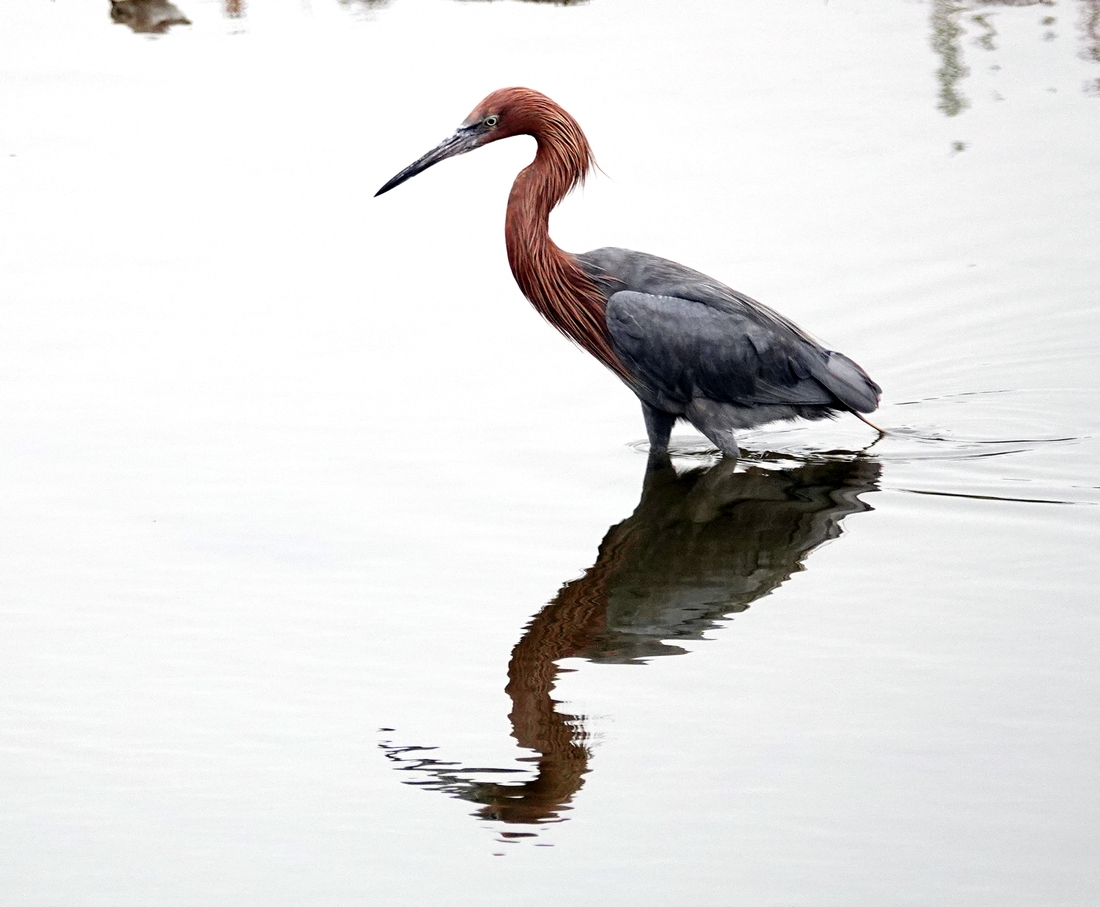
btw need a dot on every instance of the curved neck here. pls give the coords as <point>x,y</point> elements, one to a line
<point>550,279</point>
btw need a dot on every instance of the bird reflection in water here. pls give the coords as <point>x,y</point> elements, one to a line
<point>701,545</point>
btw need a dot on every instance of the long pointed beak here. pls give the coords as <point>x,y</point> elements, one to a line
<point>462,141</point>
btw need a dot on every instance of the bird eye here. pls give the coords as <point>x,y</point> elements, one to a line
<point>491,120</point>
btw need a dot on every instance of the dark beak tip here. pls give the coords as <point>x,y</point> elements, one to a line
<point>449,147</point>
<point>394,183</point>
<point>391,183</point>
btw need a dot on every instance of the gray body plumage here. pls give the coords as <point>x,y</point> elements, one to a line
<point>699,350</point>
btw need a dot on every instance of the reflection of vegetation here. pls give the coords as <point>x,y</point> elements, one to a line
<point>985,41</point>
<point>946,32</point>
<point>552,2</point>
<point>700,546</point>
<point>1090,25</point>
<point>364,4</point>
<point>151,17</point>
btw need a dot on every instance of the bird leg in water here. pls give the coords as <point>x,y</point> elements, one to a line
<point>658,425</point>
<point>863,418</point>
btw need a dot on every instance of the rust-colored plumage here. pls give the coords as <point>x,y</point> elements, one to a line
<point>558,289</point>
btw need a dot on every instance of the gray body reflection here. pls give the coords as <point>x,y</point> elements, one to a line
<point>699,546</point>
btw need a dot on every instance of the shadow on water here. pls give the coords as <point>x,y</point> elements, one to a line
<point>701,545</point>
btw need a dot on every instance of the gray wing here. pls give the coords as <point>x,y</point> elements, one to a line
<point>679,328</point>
<point>680,348</point>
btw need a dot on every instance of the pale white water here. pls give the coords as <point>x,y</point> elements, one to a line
<point>283,465</point>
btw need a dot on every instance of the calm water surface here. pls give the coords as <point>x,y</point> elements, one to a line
<point>333,576</point>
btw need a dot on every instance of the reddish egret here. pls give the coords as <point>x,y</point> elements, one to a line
<point>689,347</point>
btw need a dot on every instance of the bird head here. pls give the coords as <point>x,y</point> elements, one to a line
<point>504,113</point>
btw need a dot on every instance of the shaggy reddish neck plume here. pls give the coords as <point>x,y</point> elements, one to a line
<point>558,289</point>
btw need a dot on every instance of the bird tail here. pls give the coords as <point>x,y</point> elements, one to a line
<point>851,384</point>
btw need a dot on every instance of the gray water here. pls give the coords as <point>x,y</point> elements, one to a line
<point>294,483</point>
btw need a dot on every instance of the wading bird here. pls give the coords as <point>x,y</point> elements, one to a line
<point>690,347</point>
